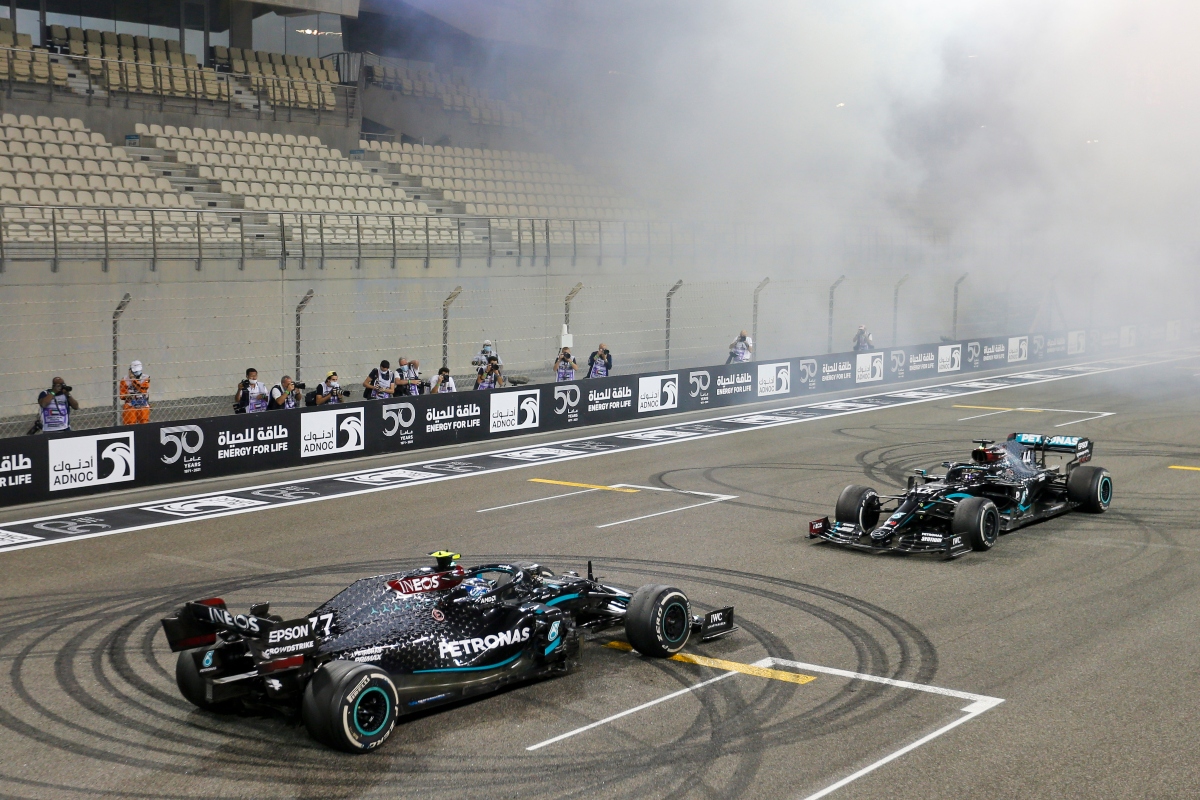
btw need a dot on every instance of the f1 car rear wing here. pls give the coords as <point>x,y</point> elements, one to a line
<point>197,624</point>
<point>1077,446</point>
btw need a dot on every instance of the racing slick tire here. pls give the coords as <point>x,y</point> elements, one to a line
<point>350,706</point>
<point>977,520</point>
<point>1091,488</point>
<point>658,621</point>
<point>191,685</point>
<point>859,505</point>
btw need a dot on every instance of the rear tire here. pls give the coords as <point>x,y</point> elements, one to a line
<point>658,621</point>
<point>1091,488</point>
<point>977,520</point>
<point>350,706</point>
<point>191,685</point>
<point>859,505</point>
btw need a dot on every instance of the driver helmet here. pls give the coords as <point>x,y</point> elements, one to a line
<point>476,587</point>
<point>992,454</point>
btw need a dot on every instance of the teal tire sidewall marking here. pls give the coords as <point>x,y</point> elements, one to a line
<point>386,716</point>
<point>667,610</point>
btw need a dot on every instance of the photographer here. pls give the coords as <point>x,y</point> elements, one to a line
<point>486,353</point>
<point>408,377</point>
<point>252,396</point>
<point>491,377</point>
<point>565,366</point>
<point>740,349</point>
<point>443,383</point>
<point>330,391</point>
<point>56,405</point>
<point>863,340</point>
<point>286,394</point>
<point>380,384</point>
<point>600,362</point>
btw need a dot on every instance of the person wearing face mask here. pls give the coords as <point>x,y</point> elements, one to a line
<point>329,391</point>
<point>480,362</point>
<point>134,391</point>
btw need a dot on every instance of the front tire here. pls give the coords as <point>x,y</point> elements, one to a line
<point>859,505</point>
<point>1091,488</point>
<point>658,621</point>
<point>977,520</point>
<point>350,706</point>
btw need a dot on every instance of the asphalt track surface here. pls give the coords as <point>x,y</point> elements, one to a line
<point>1085,627</point>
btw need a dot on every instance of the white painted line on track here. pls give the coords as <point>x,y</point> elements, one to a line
<point>720,499</point>
<point>763,663</point>
<point>979,704</point>
<point>536,500</point>
<point>1032,378</point>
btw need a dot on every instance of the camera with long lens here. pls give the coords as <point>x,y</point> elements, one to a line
<point>245,384</point>
<point>345,392</point>
<point>65,389</point>
<point>298,385</point>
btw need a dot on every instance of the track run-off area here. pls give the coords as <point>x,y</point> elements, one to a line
<point>1053,666</point>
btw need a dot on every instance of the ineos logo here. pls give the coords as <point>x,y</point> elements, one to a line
<point>398,415</point>
<point>181,436</point>
<point>565,397</point>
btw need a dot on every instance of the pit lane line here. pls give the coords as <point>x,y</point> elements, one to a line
<point>834,408</point>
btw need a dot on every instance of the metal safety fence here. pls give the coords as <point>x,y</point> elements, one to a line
<point>197,338</point>
<point>153,228</point>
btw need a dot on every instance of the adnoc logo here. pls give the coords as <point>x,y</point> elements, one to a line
<point>774,379</point>
<point>658,393</point>
<point>511,411</point>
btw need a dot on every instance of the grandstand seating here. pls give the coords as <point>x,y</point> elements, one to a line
<point>121,62</point>
<point>455,95</point>
<point>60,181</point>
<point>500,182</point>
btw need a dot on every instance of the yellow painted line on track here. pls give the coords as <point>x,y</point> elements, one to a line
<point>998,408</point>
<point>730,666</point>
<point>1190,469</point>
<point>585,485</point>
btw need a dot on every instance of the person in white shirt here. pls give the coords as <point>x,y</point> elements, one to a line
<point>740,349</point>
<point>252,395</point>
<point>444,382</point>
<point>330,391</point>
<point>486,352</point>
<point>381,383</point>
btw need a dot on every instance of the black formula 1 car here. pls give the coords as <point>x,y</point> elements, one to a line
<point>1002,488</point>
<point>404,642</point>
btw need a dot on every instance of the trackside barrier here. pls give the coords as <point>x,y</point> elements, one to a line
<point>71,464</point>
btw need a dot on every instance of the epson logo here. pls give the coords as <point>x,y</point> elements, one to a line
<point>287,634</point>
